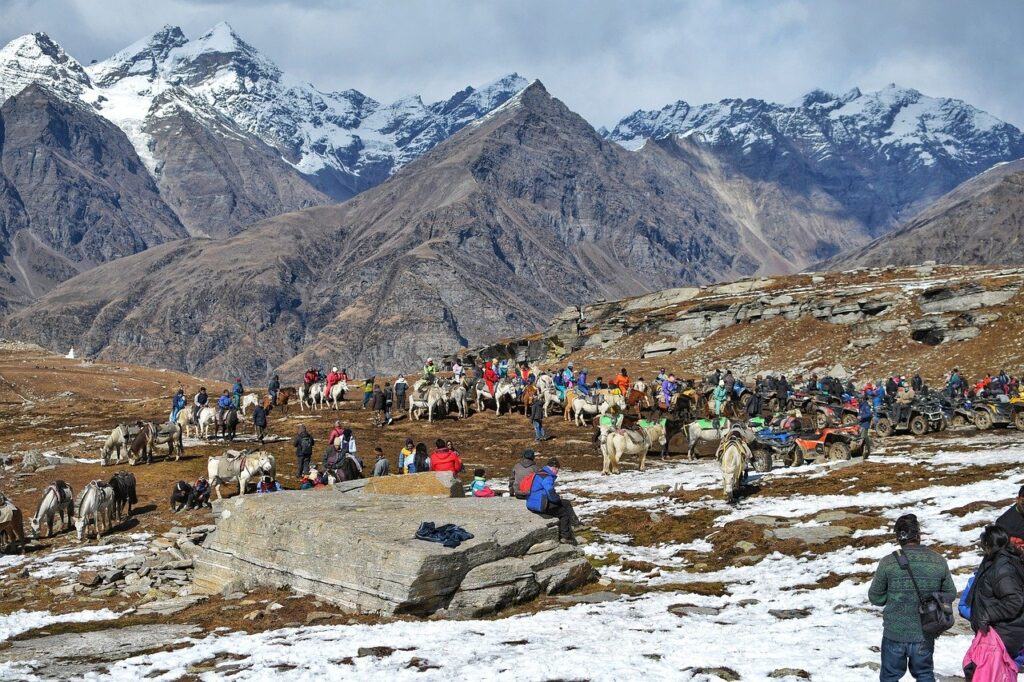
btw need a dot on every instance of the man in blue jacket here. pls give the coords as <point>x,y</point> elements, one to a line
<point>545,501</point>
<point>865,415</point>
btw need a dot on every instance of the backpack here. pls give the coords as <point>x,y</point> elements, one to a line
<point>965,599</point>
<point>526,485</point>
<point>306,445</point>
<point>935,610</point>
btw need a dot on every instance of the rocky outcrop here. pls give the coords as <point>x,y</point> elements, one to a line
<point>358,551</point>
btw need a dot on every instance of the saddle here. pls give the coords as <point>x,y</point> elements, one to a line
<point>59,489</point>
<point>637,437</point>
<point>165,429</point>
<point>129,431</point>
<point>7,510</point>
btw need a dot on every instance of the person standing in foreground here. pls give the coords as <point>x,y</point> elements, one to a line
<point>545,501</point>
<point>537,417</point>
<point>903,641</point>
<point>997,604</point>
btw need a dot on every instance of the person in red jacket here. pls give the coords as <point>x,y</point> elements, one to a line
<point>333,377</point>
<point>490,376</point>
<point>310,377</point>
<point>444,458</point>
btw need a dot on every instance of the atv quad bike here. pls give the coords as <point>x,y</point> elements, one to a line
<point>921,418</point>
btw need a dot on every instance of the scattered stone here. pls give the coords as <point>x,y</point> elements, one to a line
<point>682,610</point>
<point>253,615</point>
<point>789,672</point>
<point>166,607</point>
<point>375,651</point>
<point>89,578</point>
<point>421,664</point>
<point>592,598</point>
<point>762,520</point>
<point>812,535</point>
<point>790,614</point>
<point>745,546</point>
<point>316,616</point>
<point>727,674</point>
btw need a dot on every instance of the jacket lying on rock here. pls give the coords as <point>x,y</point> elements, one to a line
<point>449,534</point>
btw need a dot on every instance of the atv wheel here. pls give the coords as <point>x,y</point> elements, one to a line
<point>849,419</point>
<point>762,460</point>
<point>959,420</point>
<point>884,428</point>
<point>795,458</point>
<point>1018,420</point>
<point>983,419</point>
<point>838,452</point>
<point>918,425</point>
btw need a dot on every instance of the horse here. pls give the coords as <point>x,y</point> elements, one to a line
<point>58,500</point>
<point>313,396</point>
<point>546,389</point>
<point>228,423</point>
<point>638,399</point>
<point>123,485</point>
<point>118,440</point>
<point>284,397</point>
<point>247,401</point>
<point>337,392</point>
<point>733,454</point>
<point>459,396</point>
<point>433,398</point>
<point>153,434</point>
<point>200,426</point>
<point>706,431</point>
<point>95,507</point>
<point>503,388</point>
<point>241,469</point>
<point>630,442</point>
<point>12,525</point>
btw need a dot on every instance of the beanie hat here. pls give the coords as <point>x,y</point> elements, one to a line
<point>528,453</point>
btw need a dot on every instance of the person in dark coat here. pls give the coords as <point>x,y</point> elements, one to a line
<point>997,598</point>
<point>537,417</point>
<point>388,402</point>
<point>272,388</point>
<point>180,494</point>
<point>526,465</point>
<point>1012,520</point>
<point>303,450</point>
<point>378,404</point>
<point>545,501</point>
<point>259,420</point>
<point>865,415</point>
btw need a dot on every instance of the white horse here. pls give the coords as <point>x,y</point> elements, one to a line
<point>710,431</point>
<point>631,442</point>
<point>433,399</point>
<point>248,400</point>
<point>199,427</point>
<point>590,407</point>
<point>58,500</point>
<point>240,469</point>
<point>732,455</point>
<point>95,507</point>
<point>119,440</point>
<point>313,397</point>
<point>503,388</point>
<point>459,396</point>
<point>337,390</point>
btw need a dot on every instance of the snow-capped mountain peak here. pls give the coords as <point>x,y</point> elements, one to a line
<point>36,58</point>
<point>141,58</point>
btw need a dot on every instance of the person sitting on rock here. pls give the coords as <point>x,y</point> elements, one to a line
<point>526,465</point>
<point>405,456</point>
<point>545,501</point>
<point>181,493</point>
<point>479,487</point>
<point>200,496</point>
<point>268,485</point>
<point>444,458</point>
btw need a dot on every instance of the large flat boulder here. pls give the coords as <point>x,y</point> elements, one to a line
<point>359,552</point>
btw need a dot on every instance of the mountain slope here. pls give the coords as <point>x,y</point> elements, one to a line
<point>981,222</point>
<point>73,194</point>
<point>486,235</point>
<point>882,156</point>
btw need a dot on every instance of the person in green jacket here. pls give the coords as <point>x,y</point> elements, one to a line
<point>904,643</point>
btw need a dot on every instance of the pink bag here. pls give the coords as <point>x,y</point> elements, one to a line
<point>989,655</point>
<point>484,492</point>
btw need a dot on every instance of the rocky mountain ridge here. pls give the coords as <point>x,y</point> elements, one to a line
<point>881,155</point>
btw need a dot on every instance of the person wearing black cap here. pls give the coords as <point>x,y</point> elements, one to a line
<point>1012,520</point>
<point>527,465</point>
<point>904,643</point>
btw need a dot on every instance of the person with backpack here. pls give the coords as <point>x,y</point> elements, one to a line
<point>303,450</point>
<point>1012,521</point>
<point>900,578</point>
<point>527,466</point>
<point>996,601</point>
<point>543,500</point>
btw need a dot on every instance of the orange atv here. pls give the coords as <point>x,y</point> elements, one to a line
<point>829,444</point>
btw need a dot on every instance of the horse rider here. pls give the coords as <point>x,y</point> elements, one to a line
<point>668,389</point>
<point>621,381</point>
<point>458,371</point>
<point>568,376</point>
<point>236,393</point>
<point>640,385</point>
<point>430,371</point>
<point>490,376</point>
<point>333,377</point>
<point>581,387</point>
<point>309,378</point>
<point>273,387</point>
<point>177,404</point>
<point>503,368</point>
<point>199,402</point>
<point>720,395</point>
<point>223,403</point>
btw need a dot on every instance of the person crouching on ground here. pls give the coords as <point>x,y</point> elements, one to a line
<point>268,485</point>
<point>545,501</point>
<point>903,641</point>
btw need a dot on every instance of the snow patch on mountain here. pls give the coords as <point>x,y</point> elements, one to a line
<point>35,58</point>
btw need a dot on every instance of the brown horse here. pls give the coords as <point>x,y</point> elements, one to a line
<point>285,396</point>
<point>528,396</point>
<point>639,400</point>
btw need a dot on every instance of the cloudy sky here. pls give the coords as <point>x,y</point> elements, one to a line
<point>604,59</point>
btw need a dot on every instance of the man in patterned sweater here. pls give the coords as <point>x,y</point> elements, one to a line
<point>903,641</point>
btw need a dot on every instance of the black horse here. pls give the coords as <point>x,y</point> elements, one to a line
<point>123,485</point>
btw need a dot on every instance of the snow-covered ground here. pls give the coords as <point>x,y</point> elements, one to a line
<point>639,637</point>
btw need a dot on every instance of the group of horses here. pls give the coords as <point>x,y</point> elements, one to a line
<point>137,441</point>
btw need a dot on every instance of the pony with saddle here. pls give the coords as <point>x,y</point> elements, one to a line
<point>12,525</point>
<point>119,440</point>
<point>95,508</point>
<point>58,501</point>
<point>241,467</point>
<point>733,455</point>
<point>153,434</point>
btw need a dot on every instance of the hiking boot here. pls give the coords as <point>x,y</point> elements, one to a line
<point>568,540</point>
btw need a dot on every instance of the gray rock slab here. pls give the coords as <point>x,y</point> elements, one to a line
<point>359,552</point>
<point>812,535</point>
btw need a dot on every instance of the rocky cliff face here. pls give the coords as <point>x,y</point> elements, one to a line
<point>73,194</point>
<point>981,222</point>
<point>882,156</point>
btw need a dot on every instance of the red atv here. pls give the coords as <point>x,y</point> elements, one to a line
<point>832,444</point>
